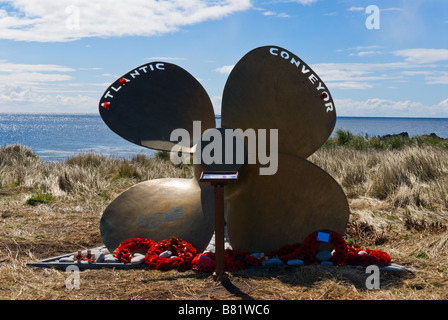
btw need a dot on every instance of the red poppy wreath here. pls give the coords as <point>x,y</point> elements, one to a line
<point>340,247</point>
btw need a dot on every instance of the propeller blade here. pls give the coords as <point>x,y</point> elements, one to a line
<point>271,88</point>
<point>266,212</point>
<point>146,104</point>
<point>161,209</point>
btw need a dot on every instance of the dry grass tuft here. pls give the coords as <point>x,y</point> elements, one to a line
<point>424,226</point>
<point>397,191</point>
<point>412,176</point>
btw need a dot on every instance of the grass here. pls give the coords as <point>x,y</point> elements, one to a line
<point>41,198</point>
<point>388,142</point>
<point>398,196</point>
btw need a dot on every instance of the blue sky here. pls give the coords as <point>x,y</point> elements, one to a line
<point>60,56</point>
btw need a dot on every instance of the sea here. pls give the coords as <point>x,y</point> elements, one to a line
<point>56,137</point>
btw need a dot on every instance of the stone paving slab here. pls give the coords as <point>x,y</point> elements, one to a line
<point>55,262</point>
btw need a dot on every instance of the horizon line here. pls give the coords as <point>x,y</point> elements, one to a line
<point>216,116</point>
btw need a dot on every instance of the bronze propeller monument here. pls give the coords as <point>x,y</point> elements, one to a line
<point>269,89</point>
<point>144,106</point>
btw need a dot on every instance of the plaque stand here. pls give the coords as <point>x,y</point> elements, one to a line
<point>218,180</point>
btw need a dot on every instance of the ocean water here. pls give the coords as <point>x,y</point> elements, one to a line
<point>56,136</point>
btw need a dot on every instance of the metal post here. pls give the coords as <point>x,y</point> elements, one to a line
<point>219,273</point>
<point>218,180</point>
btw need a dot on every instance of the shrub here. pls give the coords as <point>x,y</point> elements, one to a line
<point>86,160</point>
<point>41,198</point>
<point>162,155</point>
<point>344,137</point>
<point>128,170</point>
<point>16,153</point>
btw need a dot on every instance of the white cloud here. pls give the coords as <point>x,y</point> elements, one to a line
<point>440,78</point>
<point>422,55</point>
<point>377,107</point>
<point>27,99</point>
<point>21,74</point>
<point>390,108</point>
<point>304,2</point>
<point>48,20</point>
<point>165,59</point>
<point>350,85</point>
<point>356,9</point>
<point>44,88</point>
<point>269,13</point>
<point>392,9</point>
<point>362,76</point>
<point>275,14</point>
<point>17,67</point>
<point>444,103</point>
<point>356,71</point>
<point>364,47</point>
<point>283,15</point>
<point>225,69</point>
<point>430,76</point>
<point>365,53</point>
<point>32,77</point>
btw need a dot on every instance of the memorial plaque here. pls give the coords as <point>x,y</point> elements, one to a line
<point>219,176</point>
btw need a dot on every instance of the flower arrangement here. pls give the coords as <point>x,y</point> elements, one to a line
<point>338,243</point>
<point>204,262</point>
<point>234,260</point>
<point>237,259</point>
<point>288,252</point>
<point>365,257</point>
<point>128,247</point>
<point>181,255</point>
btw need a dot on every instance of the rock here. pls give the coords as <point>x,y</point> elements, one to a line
<point>110,259</point>
<point>67,259</point>
<point>104,250</point>
<point>403,135</point>
<point>326,263</point>
<point>396,267</point>
<point>274,262</point>
<point>323,255</point>
<point>100,257</point>
<point>211,245</point>
<point>138,259</point>
<point>166,254</point>
<point>136,254</point>
<point>295,262</point>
